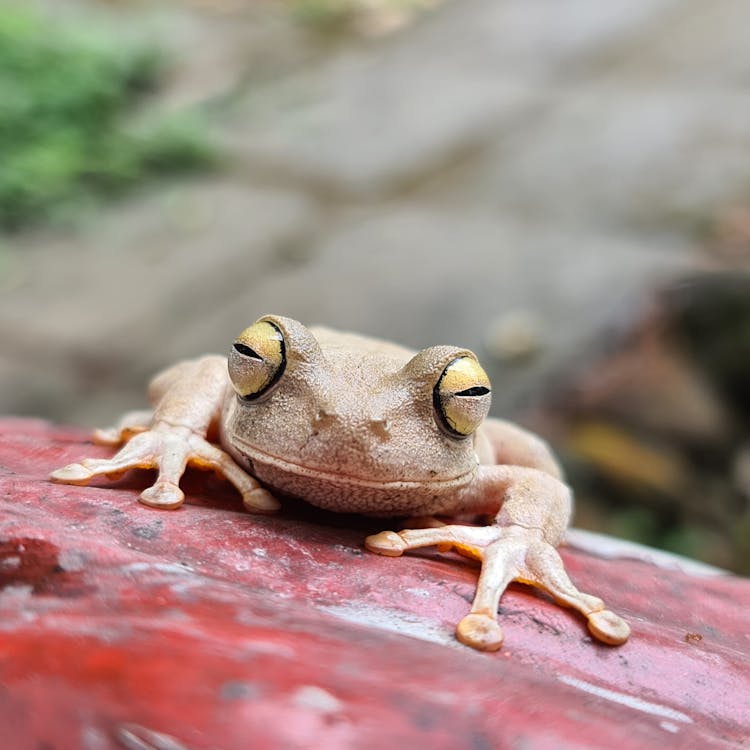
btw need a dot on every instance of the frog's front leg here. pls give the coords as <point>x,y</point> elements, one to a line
<point>518,546</point>
<point>187,401</point>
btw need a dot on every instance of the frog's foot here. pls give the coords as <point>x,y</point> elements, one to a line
<point>507,553</point>
<point>169,449</point>
<point>128,425</point>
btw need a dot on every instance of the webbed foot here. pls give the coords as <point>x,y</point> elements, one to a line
<point>507,553</point>
<point>168,449</point>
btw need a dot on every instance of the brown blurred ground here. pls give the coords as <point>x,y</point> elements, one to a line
<point>520,177</point>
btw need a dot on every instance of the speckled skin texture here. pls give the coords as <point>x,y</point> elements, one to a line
<point>352,424</point>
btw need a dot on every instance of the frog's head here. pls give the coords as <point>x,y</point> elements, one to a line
<point>365,412</point>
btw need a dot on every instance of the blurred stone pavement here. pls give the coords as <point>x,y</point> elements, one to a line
<point>509,175</point>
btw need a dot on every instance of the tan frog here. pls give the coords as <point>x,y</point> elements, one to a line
<point>353,424</point>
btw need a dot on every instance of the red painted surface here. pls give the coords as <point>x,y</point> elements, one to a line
<point>127,627</point>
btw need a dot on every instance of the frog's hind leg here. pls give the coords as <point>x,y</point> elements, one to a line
<point>519,545</point>
<point>544,568</point>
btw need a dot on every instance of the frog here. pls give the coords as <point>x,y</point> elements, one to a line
<point>354,424</point>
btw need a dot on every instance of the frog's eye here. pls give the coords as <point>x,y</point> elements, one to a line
<point>257,359</point>
<point>462,396</point>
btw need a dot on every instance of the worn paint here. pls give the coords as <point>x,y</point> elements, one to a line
<point>185,637</point>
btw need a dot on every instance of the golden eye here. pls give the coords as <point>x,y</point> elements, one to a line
<point>462,396</point>
<point>257,359</point>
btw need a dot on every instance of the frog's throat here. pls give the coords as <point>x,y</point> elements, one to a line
<point>255,456</point>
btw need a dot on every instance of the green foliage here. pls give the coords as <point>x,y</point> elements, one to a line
<point>64,97</point>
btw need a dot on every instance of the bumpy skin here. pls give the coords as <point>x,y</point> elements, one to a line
<point>353,424</point>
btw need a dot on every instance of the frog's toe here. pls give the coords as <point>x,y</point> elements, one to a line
<point>387,543</point>
<point>480,631</point>
<point>608,627</point>
<point>106,436</point>
<point>259,500</point>
<point>163,494</point>
<point>72,474</point>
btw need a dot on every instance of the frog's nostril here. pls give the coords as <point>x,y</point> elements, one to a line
<point>323,417</point>
<point>381,426</point>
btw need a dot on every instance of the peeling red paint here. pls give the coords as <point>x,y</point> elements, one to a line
<point>127,627</point>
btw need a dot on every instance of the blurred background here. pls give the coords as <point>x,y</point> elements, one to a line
<point>561,185</point>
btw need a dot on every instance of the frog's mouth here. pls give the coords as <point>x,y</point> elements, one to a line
<point>257,460</point>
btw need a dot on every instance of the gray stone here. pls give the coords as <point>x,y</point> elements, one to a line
<point>702,47</point>
<point>102,303</point>
<point>616,154</point>
<point>375,117</point>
